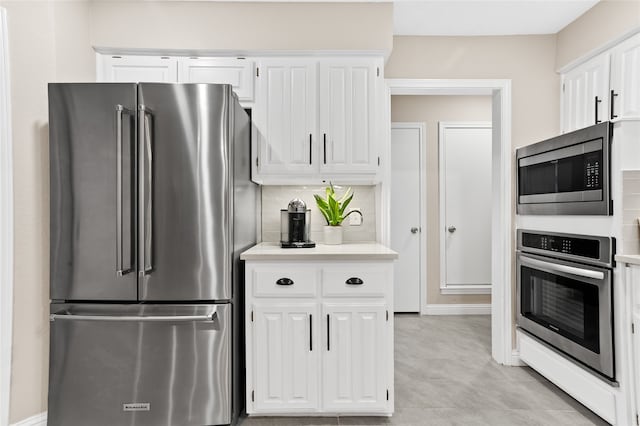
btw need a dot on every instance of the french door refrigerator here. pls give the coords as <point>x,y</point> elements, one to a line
<point>151,205</point>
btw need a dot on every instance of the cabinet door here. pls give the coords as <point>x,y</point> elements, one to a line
<point>355,376</point>
<point>585,94</point>
<point>625,82</point>
<point>285,116</point>
<point>237,72</point>
<point>285,357</point>
<point>134,69</point>
<point>348,102</point>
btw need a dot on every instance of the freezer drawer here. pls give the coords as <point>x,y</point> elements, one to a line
<point>140,365</point>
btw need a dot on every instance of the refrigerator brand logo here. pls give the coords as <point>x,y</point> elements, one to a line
<point>136,406</point>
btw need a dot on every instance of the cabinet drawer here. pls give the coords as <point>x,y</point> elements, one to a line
<point>356,280</point>
<point>284,281</point>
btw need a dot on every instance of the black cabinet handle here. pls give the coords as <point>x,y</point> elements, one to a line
<point>613,95</point>
<point>324,136</point>
<point>310,332</point>
<point>285,281</point>
<point>354,281</point>
<point>310,145</point>
<point>328,333</point>
<point>596,109</point>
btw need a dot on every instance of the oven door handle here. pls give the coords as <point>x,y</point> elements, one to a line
<point>587,273</point>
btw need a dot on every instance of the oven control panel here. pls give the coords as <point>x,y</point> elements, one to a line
<point>589,248</point>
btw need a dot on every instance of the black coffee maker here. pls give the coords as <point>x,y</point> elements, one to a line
<point>295,222</point>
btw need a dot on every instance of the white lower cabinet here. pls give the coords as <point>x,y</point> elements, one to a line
<point>354,357</point>
<point>319,338</point>
<point>286,374</point>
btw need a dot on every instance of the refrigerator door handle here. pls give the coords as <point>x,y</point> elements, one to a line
<point>145,190</point>
<point>213,316</point>
<point>121,270</point>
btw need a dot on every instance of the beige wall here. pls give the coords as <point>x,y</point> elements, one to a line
<point>47,42</point>
<point>602,23</point>
<point>242,26</point>
<point>528,61</point>
<point>431,110</point>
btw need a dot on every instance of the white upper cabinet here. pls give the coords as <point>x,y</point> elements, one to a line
<point>585,94</point>
<point>606,87</point>
<point>134,69</point>
<point>625,79</point>
<point>238,72</point>
<point>316,120</point>
<point>284,117</point>
<point>167,69</point>
<point>348,101</point>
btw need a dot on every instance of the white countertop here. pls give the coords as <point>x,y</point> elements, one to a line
<point>633,259</point>
<point>345,251</point>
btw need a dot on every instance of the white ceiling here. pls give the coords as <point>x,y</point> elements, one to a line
<point>485,17</point>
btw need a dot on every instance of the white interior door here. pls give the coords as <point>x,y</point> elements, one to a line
<point>406,196</point>
<point>465,207</point>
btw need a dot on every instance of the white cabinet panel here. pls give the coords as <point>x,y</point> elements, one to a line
<point>329,354</point>
<point>285,116</point>
<point>585,94</point>
<point>134,69</point>
<point>348,100</point>
<point>354,367</point>
<point>625,79</point>
<point>285,357</point>
<point>237,72</point>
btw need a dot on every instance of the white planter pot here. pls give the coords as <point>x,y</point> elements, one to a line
<point>333,234</point>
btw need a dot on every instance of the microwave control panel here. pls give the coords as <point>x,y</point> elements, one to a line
<point>592,171</point>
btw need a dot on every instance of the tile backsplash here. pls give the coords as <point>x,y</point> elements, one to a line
<point>630,212</point>
<point>275,198</point>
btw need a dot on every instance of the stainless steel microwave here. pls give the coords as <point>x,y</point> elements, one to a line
<point>566,175</point>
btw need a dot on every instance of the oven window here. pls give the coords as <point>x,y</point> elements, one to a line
<point>568,307</point>
<point>577,173</point>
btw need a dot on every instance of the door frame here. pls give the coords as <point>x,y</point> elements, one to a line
<point>502,256</point>
<point>422,276</point>
<point>457,289</point>
<point>6,224</point>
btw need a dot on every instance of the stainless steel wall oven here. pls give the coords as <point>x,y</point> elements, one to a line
<point>565,295</point>
<point>566,175</point>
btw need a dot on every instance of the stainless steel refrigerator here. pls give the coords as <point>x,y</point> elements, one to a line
<point>151,205</point>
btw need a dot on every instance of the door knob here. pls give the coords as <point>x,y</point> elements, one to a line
<point>414,230</point>
<point>451,229</point>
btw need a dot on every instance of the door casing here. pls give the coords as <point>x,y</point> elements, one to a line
<point>502,325</point>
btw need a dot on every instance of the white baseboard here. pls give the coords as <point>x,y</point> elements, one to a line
<point>451,309</point>
<point>37,420</point>
<point>516,361</point>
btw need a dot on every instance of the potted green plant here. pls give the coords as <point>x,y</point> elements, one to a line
<point>333,210</point>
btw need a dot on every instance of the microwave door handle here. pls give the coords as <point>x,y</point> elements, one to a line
<point>586,273</point>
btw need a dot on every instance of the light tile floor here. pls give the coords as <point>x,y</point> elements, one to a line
<point>444,375</point>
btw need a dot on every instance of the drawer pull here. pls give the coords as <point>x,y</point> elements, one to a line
<point>354,281</point>
<point>285,281</point>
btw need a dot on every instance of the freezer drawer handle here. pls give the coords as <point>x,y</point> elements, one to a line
<point>285,281</point>
<point>120,269</point>
<point>128,318</point>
